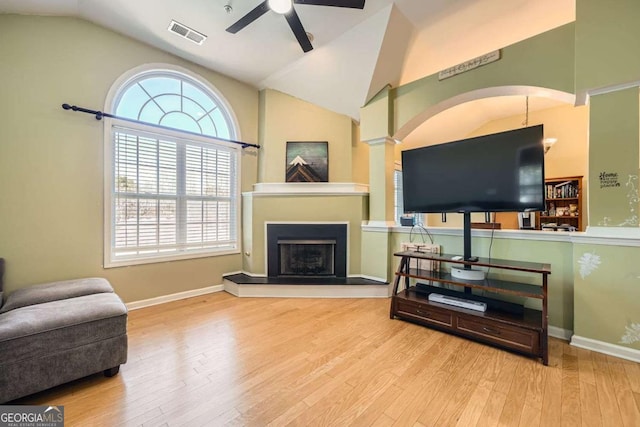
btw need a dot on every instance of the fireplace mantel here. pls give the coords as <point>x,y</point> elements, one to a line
<point>309,189</point>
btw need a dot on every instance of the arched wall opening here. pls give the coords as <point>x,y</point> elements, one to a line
<point>498,109</point>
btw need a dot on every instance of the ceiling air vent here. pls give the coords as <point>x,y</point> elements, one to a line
<point>186,32</point>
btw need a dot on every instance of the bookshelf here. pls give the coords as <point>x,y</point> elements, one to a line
<point>563,204</point>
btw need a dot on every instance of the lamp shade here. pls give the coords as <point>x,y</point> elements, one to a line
<point>280,6</point>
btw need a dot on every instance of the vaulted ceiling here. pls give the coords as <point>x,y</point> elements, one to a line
<point>356,52</point>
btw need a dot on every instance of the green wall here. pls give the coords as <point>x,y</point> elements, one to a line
<point>607,34</point>
<point>613,158</point>
<point>607,293</point>
<point>376,252</point>
<point>51,160</point>
<point>545,60</point>
<point>352,209</point>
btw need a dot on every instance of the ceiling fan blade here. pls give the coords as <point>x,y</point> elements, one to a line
<point>298,30</point>
<point>247,19</point>
<point>353,4</point>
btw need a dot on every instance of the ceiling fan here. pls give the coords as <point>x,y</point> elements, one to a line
<point>285,7</point>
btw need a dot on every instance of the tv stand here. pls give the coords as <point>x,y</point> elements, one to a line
<point>507,325</point>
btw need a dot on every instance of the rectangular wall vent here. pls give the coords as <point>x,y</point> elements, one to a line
<point>186,32</point>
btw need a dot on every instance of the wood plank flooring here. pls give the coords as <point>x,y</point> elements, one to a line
<point>220,360</point>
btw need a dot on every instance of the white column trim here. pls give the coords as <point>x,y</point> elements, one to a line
<point>382,140</point>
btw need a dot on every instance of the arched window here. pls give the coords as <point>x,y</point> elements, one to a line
<point>173,184</point>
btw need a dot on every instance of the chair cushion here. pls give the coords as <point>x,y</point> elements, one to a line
<point>55,291</point>
<point>42,329</point>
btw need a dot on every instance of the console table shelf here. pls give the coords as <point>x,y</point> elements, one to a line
<point>529,318</point>
<point>491,285</point>
<point>503,324</point>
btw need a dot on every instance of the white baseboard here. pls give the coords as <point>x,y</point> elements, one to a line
<point>563,334</point>
<point>247,273</point>
<point>306,291</point>
<point>606,348</point>
<point>174,297</point>
<point>377,279</point>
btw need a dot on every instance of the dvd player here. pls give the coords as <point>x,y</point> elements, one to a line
<point>458,302</point>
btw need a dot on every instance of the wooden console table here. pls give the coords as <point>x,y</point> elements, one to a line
<point>505,325</point>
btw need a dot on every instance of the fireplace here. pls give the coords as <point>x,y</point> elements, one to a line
<point>306,257</point>
<point>307,250</point>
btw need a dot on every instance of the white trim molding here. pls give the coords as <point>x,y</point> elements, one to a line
<point>379,226</point>
<point>583,97</point>
<point>308,189</point>
<point>606,348</point>
<point>563,334</point>
<point>381,140</point>
<point>612,236</point>
<point>173,297</point>
<point>377,279</point>
<point>247,273</point>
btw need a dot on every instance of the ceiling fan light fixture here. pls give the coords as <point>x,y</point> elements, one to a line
<point>280,6</point>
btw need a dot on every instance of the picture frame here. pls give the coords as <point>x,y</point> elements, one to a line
<point>307,161</point>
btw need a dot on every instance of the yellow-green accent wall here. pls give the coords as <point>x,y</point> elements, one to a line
<point>607,34</point>
<point>545,61</point>
<point>607,292</point>
<point>352,209</point>
<point>613,160</point>
<point>51,160</point>
<point>285,118</point>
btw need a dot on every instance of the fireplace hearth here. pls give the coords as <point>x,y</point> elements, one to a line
<point>307,250</point>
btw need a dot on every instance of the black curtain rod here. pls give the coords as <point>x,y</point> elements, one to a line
<point>99,115</point>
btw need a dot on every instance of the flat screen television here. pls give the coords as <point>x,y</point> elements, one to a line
<point>501,172</point>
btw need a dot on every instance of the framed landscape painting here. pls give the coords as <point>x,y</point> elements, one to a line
<point>307,161</point>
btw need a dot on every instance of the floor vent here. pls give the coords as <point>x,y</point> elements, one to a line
<point>186,32</point>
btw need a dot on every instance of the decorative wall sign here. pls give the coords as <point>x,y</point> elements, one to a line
<point>307,162</point>
<point>609,179</point>
<point>469,65</point>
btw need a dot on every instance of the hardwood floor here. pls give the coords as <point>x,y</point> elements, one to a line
<point>221,360</point>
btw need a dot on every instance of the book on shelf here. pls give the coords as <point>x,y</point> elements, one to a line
<point>563,190</point>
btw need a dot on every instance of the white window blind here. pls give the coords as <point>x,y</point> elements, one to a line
<point>171,196</point>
